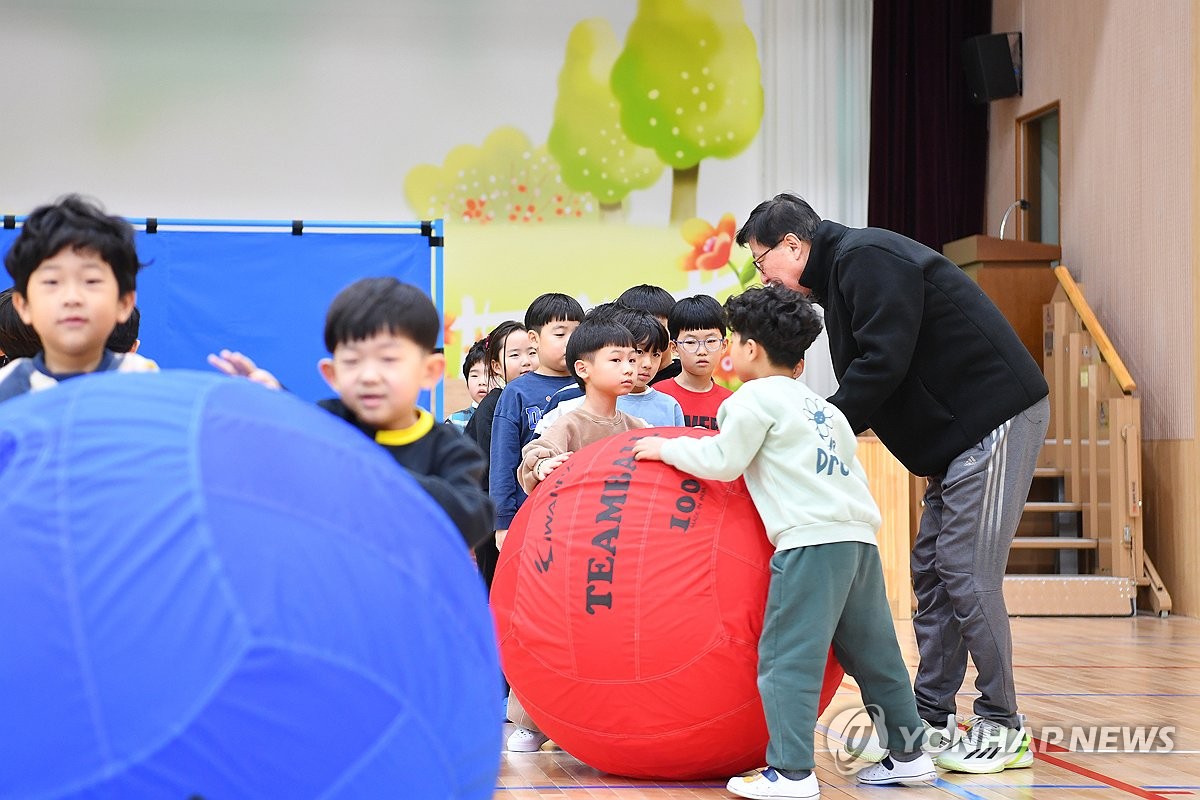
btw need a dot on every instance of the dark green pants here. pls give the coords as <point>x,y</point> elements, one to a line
<point>821,595</point>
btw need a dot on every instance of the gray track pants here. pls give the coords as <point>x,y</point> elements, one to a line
<point>958,562</point>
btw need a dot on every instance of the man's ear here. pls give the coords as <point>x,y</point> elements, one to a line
<point>125,304</point>
<point>328,371</point>
<point>799,369</point>
<point>435,367</point>
<point>136,344</point>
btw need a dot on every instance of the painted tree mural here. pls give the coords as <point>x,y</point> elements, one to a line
<point>587,139</point>
<point>506,180</point>
<point>689,85</point>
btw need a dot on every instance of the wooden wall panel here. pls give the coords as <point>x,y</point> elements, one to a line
<point>890,488</point>
<point>1125,77</point>
<point>1122,75</point>
<point>1172,504</point>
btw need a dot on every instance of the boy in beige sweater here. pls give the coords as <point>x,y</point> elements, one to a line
<point>602,358</point>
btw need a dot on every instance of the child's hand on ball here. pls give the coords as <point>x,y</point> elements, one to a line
<point>547,465</point>
<point>648,449</point>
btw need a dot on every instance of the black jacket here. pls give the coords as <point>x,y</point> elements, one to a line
<point>479,429</point>
<point>447,465</point>
<point>923,357</point>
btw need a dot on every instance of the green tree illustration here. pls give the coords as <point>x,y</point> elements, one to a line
<point>587,140</point>
<point>689,86</point>
<point>505,180</point>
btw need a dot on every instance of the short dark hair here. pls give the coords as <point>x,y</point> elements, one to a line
<point>773,219</point>
<point>592,336</point>
<point>125,335</point>
<point>605,311</point>
<point>782,321</point>
<point>476,354</point>
<point>494,344</point>
<point>17,339</point>
<point>80,225</point>
<point>655,299</point>
<point>377,305</point>
<point>648,333</point>
<point>552,307</point>
<point>697,313</point>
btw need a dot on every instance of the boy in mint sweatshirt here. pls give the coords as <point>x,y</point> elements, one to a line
<point>797,453</point>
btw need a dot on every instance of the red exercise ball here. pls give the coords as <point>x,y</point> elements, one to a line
<point>629,600</point>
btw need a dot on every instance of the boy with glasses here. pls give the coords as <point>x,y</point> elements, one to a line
<point>697,329</point>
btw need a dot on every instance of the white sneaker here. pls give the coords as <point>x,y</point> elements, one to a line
<point>870,750</point>
<point>768,784</point>
<point>523,740</point>
<point>917,772</point>
<point>988,747</point>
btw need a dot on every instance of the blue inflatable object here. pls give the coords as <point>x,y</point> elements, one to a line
<point>211,589</point>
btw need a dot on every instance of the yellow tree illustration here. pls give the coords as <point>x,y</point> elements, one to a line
<point>587,139</point>
<point>689,85</point>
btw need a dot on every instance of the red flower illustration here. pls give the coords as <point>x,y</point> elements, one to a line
<point>710,246</point>
<point>723,371</point>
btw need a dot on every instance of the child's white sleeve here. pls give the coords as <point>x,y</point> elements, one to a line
<point>725,455</point>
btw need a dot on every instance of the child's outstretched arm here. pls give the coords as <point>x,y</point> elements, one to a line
<point>723,456</point>
<point>238,365</point>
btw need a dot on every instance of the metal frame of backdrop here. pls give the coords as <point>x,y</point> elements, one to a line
<point>262,286</point>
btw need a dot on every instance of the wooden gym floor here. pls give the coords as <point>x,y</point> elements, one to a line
<point>1141,671</point>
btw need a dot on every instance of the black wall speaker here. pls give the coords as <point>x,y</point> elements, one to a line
<point>993,65</point>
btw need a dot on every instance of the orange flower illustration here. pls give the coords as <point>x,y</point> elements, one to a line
<point>710,246</point>
<point>476,210</point>
<point>723,371</point>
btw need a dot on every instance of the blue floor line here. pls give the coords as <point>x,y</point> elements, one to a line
<point>938,782</point>
<point>954,788</point>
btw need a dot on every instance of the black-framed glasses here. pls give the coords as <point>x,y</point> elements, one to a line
<point>711,344</point>
<point>758,261</point>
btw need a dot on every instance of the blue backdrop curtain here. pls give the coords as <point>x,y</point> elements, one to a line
<point>262,292</point>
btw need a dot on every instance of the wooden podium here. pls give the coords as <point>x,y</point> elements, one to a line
<point>1016,275</point>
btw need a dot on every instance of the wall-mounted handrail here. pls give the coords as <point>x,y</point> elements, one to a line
<point>1093,326</point>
